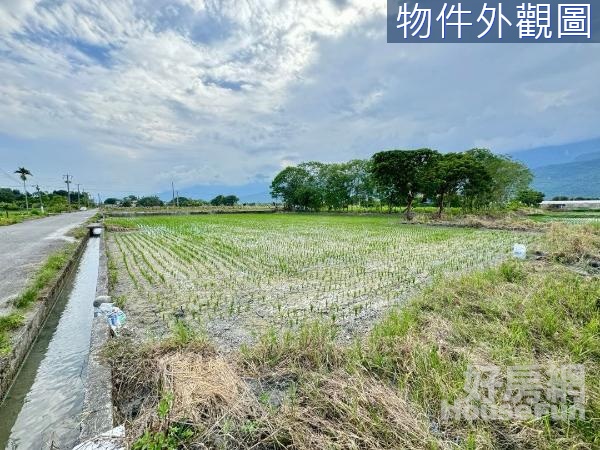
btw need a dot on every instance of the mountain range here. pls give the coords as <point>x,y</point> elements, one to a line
<point>572,170</point>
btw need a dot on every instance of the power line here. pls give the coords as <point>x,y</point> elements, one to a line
<point>9,175</point>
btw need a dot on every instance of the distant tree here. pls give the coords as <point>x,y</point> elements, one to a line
<point>560,198</point>
<point>111,201</point>
<point>148,202</point>
<point>218,200</point>
<point>9,195</point>
<point>455,174</point>
<point>400,174</point>
<point>181,201</point>
<point>224,200</point>
<point>129,201</point>
<point>230,200</point>
<point>530,197</point>
<point>297,187</point>
<point>23,174</point>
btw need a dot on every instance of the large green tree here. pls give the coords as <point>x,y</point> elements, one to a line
<point>151,201</point>
<point>336,185</point>
<point>455,174</point>
<point>508,177</point>
<point>299,187</point>
<point>362,185</point>
<point>400,175</point>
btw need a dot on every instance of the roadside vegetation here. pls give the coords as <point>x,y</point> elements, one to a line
<point>45,274</point>
<point>8,323</point>
<point>303,388</point>
<point>10,217</point>
<point>15,206</point>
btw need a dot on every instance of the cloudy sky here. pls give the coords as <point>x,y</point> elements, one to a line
<point>127,95</point>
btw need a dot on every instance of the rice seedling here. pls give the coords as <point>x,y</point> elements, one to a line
<point>284,270</point>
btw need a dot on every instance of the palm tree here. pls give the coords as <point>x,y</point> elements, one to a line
<point>23,173</point>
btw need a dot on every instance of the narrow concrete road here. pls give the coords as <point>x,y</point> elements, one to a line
<point>25,246</point>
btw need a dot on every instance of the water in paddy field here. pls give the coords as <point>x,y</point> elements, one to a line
<point>43,406</point>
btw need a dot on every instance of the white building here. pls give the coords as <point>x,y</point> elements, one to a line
<point>571,204</point>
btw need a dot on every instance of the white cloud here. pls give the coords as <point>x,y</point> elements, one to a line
<point>210,90</point>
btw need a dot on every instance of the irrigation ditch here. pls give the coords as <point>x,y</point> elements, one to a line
<point>54,389</point>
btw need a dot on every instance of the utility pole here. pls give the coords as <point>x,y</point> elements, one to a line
<point>68,179</point>
<point>173,190</point>
<point>99,201</point>
<point>78,197</point>
<point>37,188</point>
<point>177,198</point>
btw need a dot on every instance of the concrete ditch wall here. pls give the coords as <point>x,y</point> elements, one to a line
<point>97,416</point>
<point>27,334</point>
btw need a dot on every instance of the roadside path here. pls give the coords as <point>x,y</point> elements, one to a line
<point>25,246</point>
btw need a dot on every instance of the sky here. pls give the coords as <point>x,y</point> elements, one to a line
<point>129,95</point>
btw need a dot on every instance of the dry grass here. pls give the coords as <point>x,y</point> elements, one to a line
<point>204,387</point>
<point>574,245</point>
<point>353,411</point>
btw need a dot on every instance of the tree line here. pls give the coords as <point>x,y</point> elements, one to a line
<point>475,179</point>
<point>55,201</point>
<point>155,201</point>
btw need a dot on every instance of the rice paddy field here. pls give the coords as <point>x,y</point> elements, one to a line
<point>237,275</point>
<point>570,217</point>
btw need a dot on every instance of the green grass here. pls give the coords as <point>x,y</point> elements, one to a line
<point>570,216</point>
<point>19,216</point>
<point>518,313</point>
<point>7,324</point>
<point>45,275</point>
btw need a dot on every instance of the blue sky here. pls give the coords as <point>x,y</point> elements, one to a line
<point>128,95</point>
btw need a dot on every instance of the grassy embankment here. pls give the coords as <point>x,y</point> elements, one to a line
<point>304,390</point>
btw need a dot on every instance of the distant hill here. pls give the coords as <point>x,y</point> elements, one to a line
<point>557,154</point>
<point>575,179</point>
<point>570,169</point>
<point>257,192</point>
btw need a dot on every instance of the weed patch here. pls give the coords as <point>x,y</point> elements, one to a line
<point>45,275</point>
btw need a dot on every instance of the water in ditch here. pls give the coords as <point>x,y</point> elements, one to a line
<point>42,409</point>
